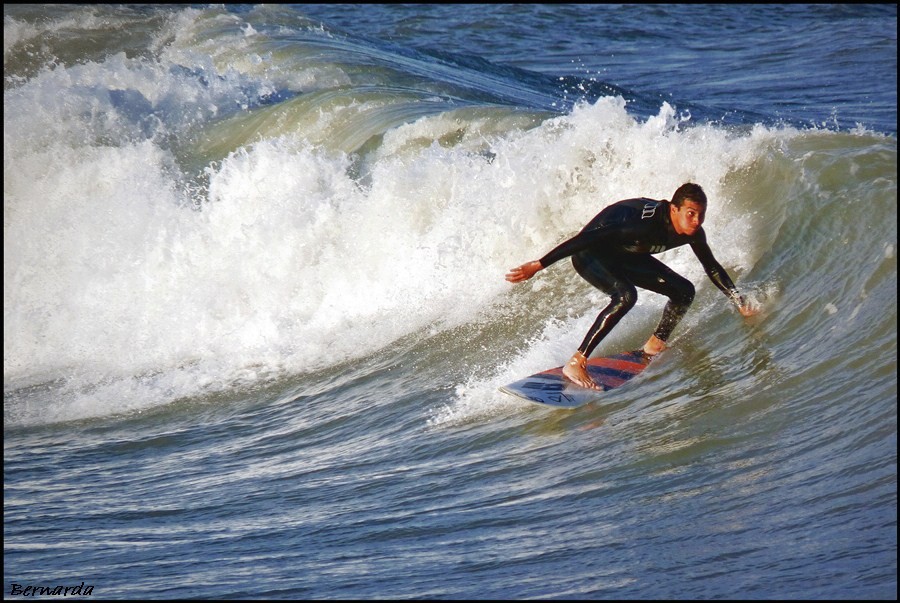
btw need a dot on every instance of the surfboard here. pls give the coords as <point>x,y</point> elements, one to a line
<point>552,388</point>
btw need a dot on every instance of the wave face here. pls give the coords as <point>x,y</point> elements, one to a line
<point>254,265</point>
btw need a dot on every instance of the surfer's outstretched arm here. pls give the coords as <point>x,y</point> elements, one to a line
<point>524,272</point>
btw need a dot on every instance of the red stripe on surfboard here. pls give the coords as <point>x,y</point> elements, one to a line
<point>616,364</point>
<point>553,371</point>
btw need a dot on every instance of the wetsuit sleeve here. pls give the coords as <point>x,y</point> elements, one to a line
<point>607,230</point>
<point>715,271</point>
<point>579,242</point>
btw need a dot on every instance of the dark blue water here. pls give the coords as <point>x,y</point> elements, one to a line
<point>810,64</point>
<point>255,318</point>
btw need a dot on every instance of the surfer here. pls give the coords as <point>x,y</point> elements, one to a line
<point>614,254</point>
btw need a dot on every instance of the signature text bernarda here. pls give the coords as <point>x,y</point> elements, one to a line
<point>28,590</point>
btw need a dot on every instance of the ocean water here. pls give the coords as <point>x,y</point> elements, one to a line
<point>255,316</point>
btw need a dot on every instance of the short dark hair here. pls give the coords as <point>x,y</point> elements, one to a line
<point>689,192</point>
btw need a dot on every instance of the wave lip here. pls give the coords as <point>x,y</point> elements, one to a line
<point>177,218</point>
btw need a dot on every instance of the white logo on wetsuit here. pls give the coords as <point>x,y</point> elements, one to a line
<point>649,211</point>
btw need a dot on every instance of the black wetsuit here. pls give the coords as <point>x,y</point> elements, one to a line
<point>613,253</point>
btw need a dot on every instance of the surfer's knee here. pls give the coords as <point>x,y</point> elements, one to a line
<point>624,299</point>
<point>683,294</point>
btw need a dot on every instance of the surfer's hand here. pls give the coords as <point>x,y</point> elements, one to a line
<point>523,272</point>
<point>747,310</point>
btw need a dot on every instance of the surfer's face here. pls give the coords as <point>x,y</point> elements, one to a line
<point>688,218</point>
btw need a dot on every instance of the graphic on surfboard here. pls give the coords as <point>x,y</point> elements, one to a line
<point>552,388</point>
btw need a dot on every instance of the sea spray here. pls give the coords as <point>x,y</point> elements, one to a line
<point>287,262</point>
<point>140,260</point>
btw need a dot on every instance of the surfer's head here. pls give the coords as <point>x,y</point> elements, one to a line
<point>689,192</point>
<point>688,209</point>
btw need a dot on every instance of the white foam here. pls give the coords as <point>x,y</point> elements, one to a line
<point>115,268</point>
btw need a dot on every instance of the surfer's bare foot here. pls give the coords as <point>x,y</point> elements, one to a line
<point>576,371</point>
<point>654,346</point>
